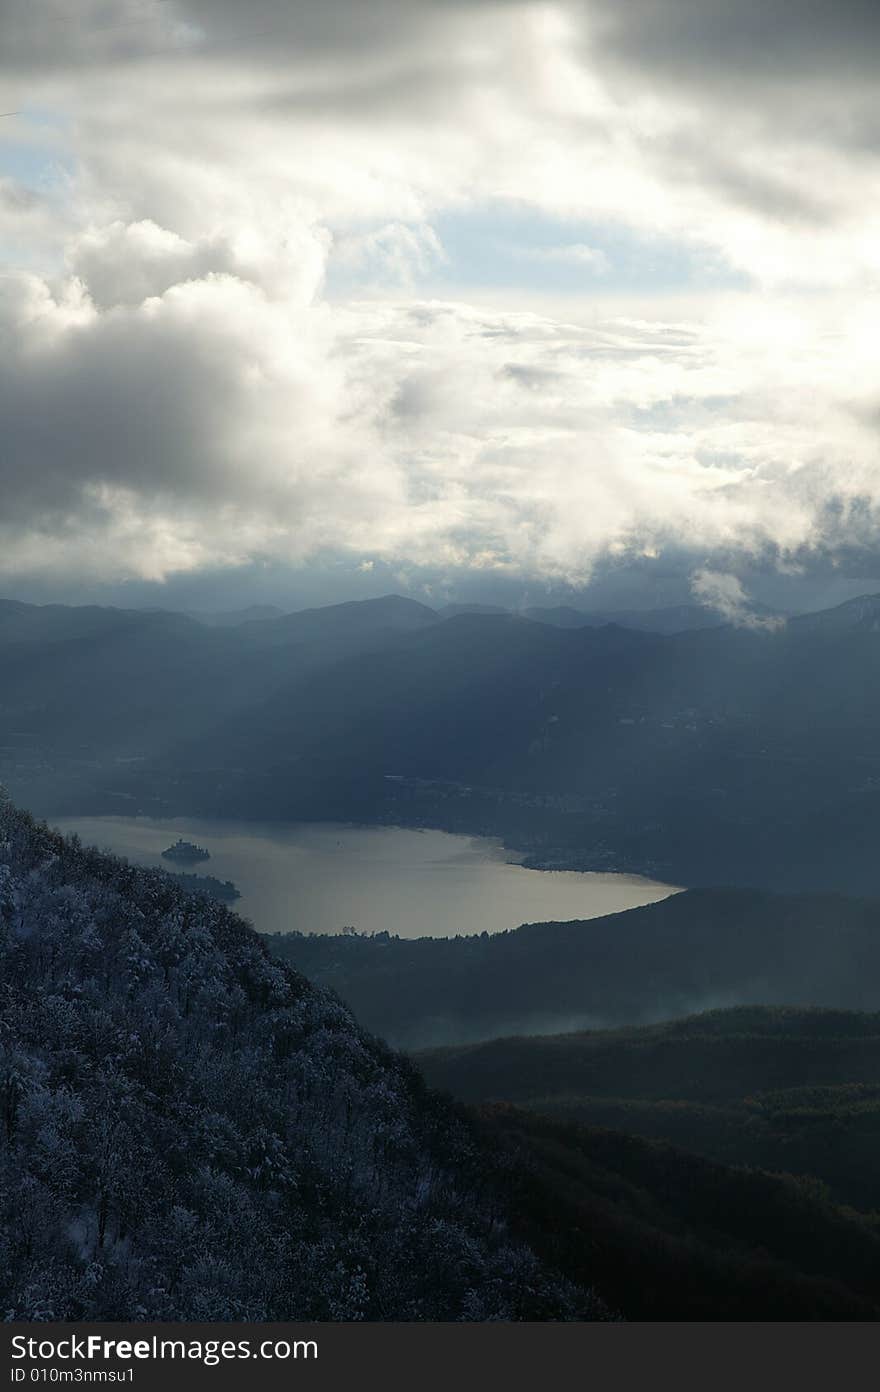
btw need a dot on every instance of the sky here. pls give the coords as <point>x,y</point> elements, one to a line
<point>462,298</point>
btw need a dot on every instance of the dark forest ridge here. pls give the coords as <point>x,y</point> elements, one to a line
<point>193,1132</point>
<point>681,1236</point>
<point>782,1088</point>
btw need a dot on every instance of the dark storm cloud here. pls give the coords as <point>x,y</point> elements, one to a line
<point>329,27</point>
<point>704,42</point>
<point>740,41</point>
<point>40,36</point>
<point>689,156</point>
<point>46,33</point>
<point>120,402</point>
<point>771,94</point>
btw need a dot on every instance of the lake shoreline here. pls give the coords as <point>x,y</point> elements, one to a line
<point>329,877</point>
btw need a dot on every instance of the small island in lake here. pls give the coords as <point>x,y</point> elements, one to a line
<point>185,852</point>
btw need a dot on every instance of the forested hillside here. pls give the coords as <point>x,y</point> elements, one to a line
<point>724,1166</point>
<point>190,1131</point>
<point>789,1090</point>
<point>690,952</point>
<point>679,1237</point>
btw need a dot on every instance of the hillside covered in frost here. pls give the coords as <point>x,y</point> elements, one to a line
<point>191,1131</point>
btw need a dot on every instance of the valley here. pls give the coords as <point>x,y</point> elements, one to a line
<point>469,830</point>
<point>705,757</point>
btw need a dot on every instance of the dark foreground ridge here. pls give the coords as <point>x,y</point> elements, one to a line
<point>678,1237</point>
<point>788,1099</point>
<point>783,1089</point>
<point>191,1131</point>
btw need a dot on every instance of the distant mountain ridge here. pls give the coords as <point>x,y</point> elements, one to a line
<point>352,619</point>
<point>400,612</point>
<point>714,755</point>
<point>861,613</point>
<point>672,619</point>
<point>232,618</point>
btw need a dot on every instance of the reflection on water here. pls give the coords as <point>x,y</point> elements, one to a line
<point>318,877</point>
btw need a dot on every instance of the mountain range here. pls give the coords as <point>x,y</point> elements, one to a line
<point>723,755</point>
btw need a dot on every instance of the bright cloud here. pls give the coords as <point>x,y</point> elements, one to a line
<point>181,391</point>
<point>725,594</point>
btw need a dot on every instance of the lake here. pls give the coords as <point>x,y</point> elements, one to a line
<point>320,877</point>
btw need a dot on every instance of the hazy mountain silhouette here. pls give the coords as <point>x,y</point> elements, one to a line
<point>716,755</point>
<point>231,618</point>
<point>673,619</point>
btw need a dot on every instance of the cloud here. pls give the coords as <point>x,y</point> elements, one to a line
<point>235,423</point>
<point>395,254</point>
<point>224,345</point>
<point>752,42</point>
<point>725,594</point>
